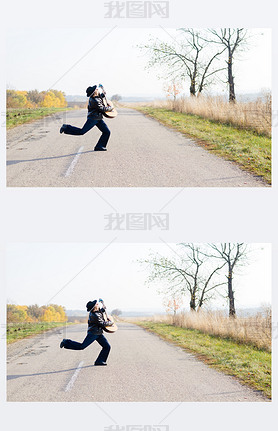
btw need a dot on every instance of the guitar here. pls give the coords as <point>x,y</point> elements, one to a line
<point>111,114</point>
<point>109,329</point>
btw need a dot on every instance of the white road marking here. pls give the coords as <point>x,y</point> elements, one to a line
<point>73,163</point>
<point>74,377</point>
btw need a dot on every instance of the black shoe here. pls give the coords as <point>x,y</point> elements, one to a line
<point>100,149</point>
<point>63,128</point>
<point>100,363</point>
<point>62,344</point>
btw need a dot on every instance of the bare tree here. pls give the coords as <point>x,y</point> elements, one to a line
<point>173,303</point>
<point>35,311</point>
<point>186,58</point>
<point>232,39</point>
<point>172,89</point>
<point>232,254</point>
<point>191,274</point>
<point>116,97</point>
<point>35,96</point>
<point>116,312</point>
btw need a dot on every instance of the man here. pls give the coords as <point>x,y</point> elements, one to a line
<point>96,323</point>
<point>96,108</point>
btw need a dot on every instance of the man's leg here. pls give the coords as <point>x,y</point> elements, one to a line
<point>102,142</point>
<point>74,345</point>
<point>71,130</point>
<point>102,357</point>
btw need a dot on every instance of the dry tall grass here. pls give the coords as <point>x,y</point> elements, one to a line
<point>246,115</point>
<point>254,330</point>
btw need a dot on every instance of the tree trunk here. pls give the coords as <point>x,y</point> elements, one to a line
<point>192,302</point>
<point>201,300</point>
<point>232,96</point>
<point>232,310</point>
<point>192,88</point>
<point>193,82</point>
<point>200,90</point>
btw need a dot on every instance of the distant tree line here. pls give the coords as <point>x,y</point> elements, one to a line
<point>34,313</point>
<point>36,99</point>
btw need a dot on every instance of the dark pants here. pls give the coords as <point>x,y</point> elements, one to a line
<point>90,338</point>
<point>90,123</point>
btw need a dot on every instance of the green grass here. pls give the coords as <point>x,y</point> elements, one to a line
<point>17,331</point>
<point>15,117</point>
<point>245,147</point>
<point>250,365</point>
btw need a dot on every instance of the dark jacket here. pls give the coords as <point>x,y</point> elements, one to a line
<point>96,322</point>
<point>96,107</point>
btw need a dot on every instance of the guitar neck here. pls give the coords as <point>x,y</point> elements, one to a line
<point>103,91</point>
<point>104,312</point>
<point>105,100</point>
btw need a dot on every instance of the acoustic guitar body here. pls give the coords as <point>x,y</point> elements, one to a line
<point>113,328</point>
<point>111,114</point>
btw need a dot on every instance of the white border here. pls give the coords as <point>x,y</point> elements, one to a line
<point>219,214</point>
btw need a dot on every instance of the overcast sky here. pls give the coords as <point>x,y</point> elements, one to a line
<point>38,271</point>
<point>40,58</point>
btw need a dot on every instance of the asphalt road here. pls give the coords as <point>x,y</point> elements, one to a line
<point>141,153</point>
<point>141,367</point>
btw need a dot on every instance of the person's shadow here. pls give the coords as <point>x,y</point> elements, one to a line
<point>17,376</point>
<point>14,162</point>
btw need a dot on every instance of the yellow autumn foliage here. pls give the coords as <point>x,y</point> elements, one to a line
<point>54,99</point>
<point>34,313</point>
<point>35,99</point>
<point>54,313</point>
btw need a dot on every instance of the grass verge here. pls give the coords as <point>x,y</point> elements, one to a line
<point>15,117</point>
<point>250,365</point>
<point>247,148</point>
<point>17,331</point>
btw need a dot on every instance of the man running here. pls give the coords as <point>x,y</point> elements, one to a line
<point>96,323</point>
<point>96,108</point>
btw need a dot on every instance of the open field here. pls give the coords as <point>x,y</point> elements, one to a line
<point>15,117</point>
<point>255,330</point>
<point>249,364</point>
<point>17,331</point>
<point>255,116</point>
<point>249,149</point>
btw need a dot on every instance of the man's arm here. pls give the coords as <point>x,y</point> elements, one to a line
<point>102,108</point>
<point>102,323</point>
